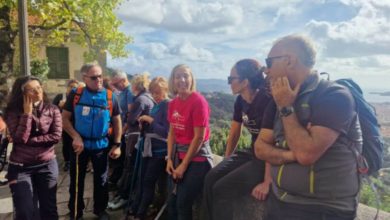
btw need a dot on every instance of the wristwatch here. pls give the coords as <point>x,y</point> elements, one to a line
<point>118,144</point>
<point>286,111</point>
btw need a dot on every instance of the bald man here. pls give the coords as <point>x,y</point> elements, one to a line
<point>314,169</point>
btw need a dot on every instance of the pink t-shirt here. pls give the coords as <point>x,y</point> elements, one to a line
<point>184,115</point>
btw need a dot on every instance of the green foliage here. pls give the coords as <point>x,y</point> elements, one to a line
<point>222,106</point>
<point>40,69</point>
<point>91,24</point>
<point>368,196</point>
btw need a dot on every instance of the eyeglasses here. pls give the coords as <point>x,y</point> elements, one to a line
<point>231,78</point>
<point>94,77</point>
<point>269,60</point>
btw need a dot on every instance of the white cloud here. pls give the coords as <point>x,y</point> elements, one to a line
<point>182,16</point>
<point>189,52</point>
<point>366,34</point>
<point>156,51</point>
<point>353,36</point>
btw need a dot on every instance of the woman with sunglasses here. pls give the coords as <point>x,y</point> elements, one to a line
<point>189,155</point>
<point>35,127</point>
<point>240,173</point>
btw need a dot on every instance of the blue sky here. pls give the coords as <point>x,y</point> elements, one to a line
<point>352,36</point>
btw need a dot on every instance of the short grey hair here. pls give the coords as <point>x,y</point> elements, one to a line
<point>303,47</point>
<point>88,66</point>
<point>119,74</point>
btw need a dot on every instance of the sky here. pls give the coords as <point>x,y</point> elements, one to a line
<point>352,37</point>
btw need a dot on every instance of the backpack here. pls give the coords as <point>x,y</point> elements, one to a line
<point>79,92</point>
<point>76,101</point>
<point>371,159</point>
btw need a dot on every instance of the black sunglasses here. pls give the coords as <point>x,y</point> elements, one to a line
<point>231,78</point>
<point>269,60</point>
<point>94,77</point>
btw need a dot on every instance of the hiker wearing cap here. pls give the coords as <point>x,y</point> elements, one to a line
<point>35,127</point>
<point>89,115</point>
<point>240,173</point>
<point>313,141</point>
<point>189,155</point>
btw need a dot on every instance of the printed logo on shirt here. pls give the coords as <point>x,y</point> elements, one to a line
<point>250,124</point>
<point>178,121</point>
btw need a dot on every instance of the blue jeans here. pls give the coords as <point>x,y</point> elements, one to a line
<point>187,191</point>
<point>34,192</point>
<point>99,160</point>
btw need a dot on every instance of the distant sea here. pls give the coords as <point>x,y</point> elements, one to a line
<point>375,96</point>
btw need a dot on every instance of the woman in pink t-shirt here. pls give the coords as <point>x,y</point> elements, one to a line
<point>189,155</point>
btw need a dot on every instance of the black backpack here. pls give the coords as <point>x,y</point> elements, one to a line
<point>371,159</point>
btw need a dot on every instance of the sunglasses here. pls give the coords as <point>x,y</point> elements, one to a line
<point>94,77</point>
<point>231,78</point>
<point>269,60</point>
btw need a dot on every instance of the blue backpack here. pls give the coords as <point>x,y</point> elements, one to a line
<point>371,159</point>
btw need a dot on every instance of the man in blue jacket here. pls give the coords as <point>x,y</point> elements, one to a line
<point>88,116</point>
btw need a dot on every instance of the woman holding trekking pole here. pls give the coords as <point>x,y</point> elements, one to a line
<point>189,155</point>
<point>35,126</point>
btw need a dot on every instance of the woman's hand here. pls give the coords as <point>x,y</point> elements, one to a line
<point>170,169</point>
<point>27,104</point>
<point>261,190</point>
<point>145,118</point>
<point>178,173</point>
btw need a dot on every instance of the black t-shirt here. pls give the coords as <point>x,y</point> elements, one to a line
<point>251,115</point>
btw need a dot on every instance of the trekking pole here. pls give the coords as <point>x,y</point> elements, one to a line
<point>137,166</point>
<point>76,186</point>
<point>172,194</point>
<point>176,162</point>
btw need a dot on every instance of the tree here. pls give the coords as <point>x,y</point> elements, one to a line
<point>92,24</point>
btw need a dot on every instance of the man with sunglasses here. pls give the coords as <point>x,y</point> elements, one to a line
<point>314,170</point>
<point>87,116</point>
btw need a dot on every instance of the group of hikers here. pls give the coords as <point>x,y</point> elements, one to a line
<point>300,161</point>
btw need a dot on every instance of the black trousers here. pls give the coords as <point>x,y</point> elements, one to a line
<point>66,146</point>
<point>234,177</point>
<point>99,160</point>
<point>152,169</point>
<point>34,191</point>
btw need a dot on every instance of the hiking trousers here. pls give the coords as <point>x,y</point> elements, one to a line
<point>99,159</point>
<point>233,178</point>
<point>187,191</point>
<point>34,190</point>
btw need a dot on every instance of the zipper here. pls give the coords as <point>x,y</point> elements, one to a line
<point>311,179</point>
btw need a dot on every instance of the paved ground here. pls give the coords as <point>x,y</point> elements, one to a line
<point>62,196</point>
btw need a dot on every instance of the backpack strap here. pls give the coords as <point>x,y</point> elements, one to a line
<point>109,101</point>
<point>77,96</point>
